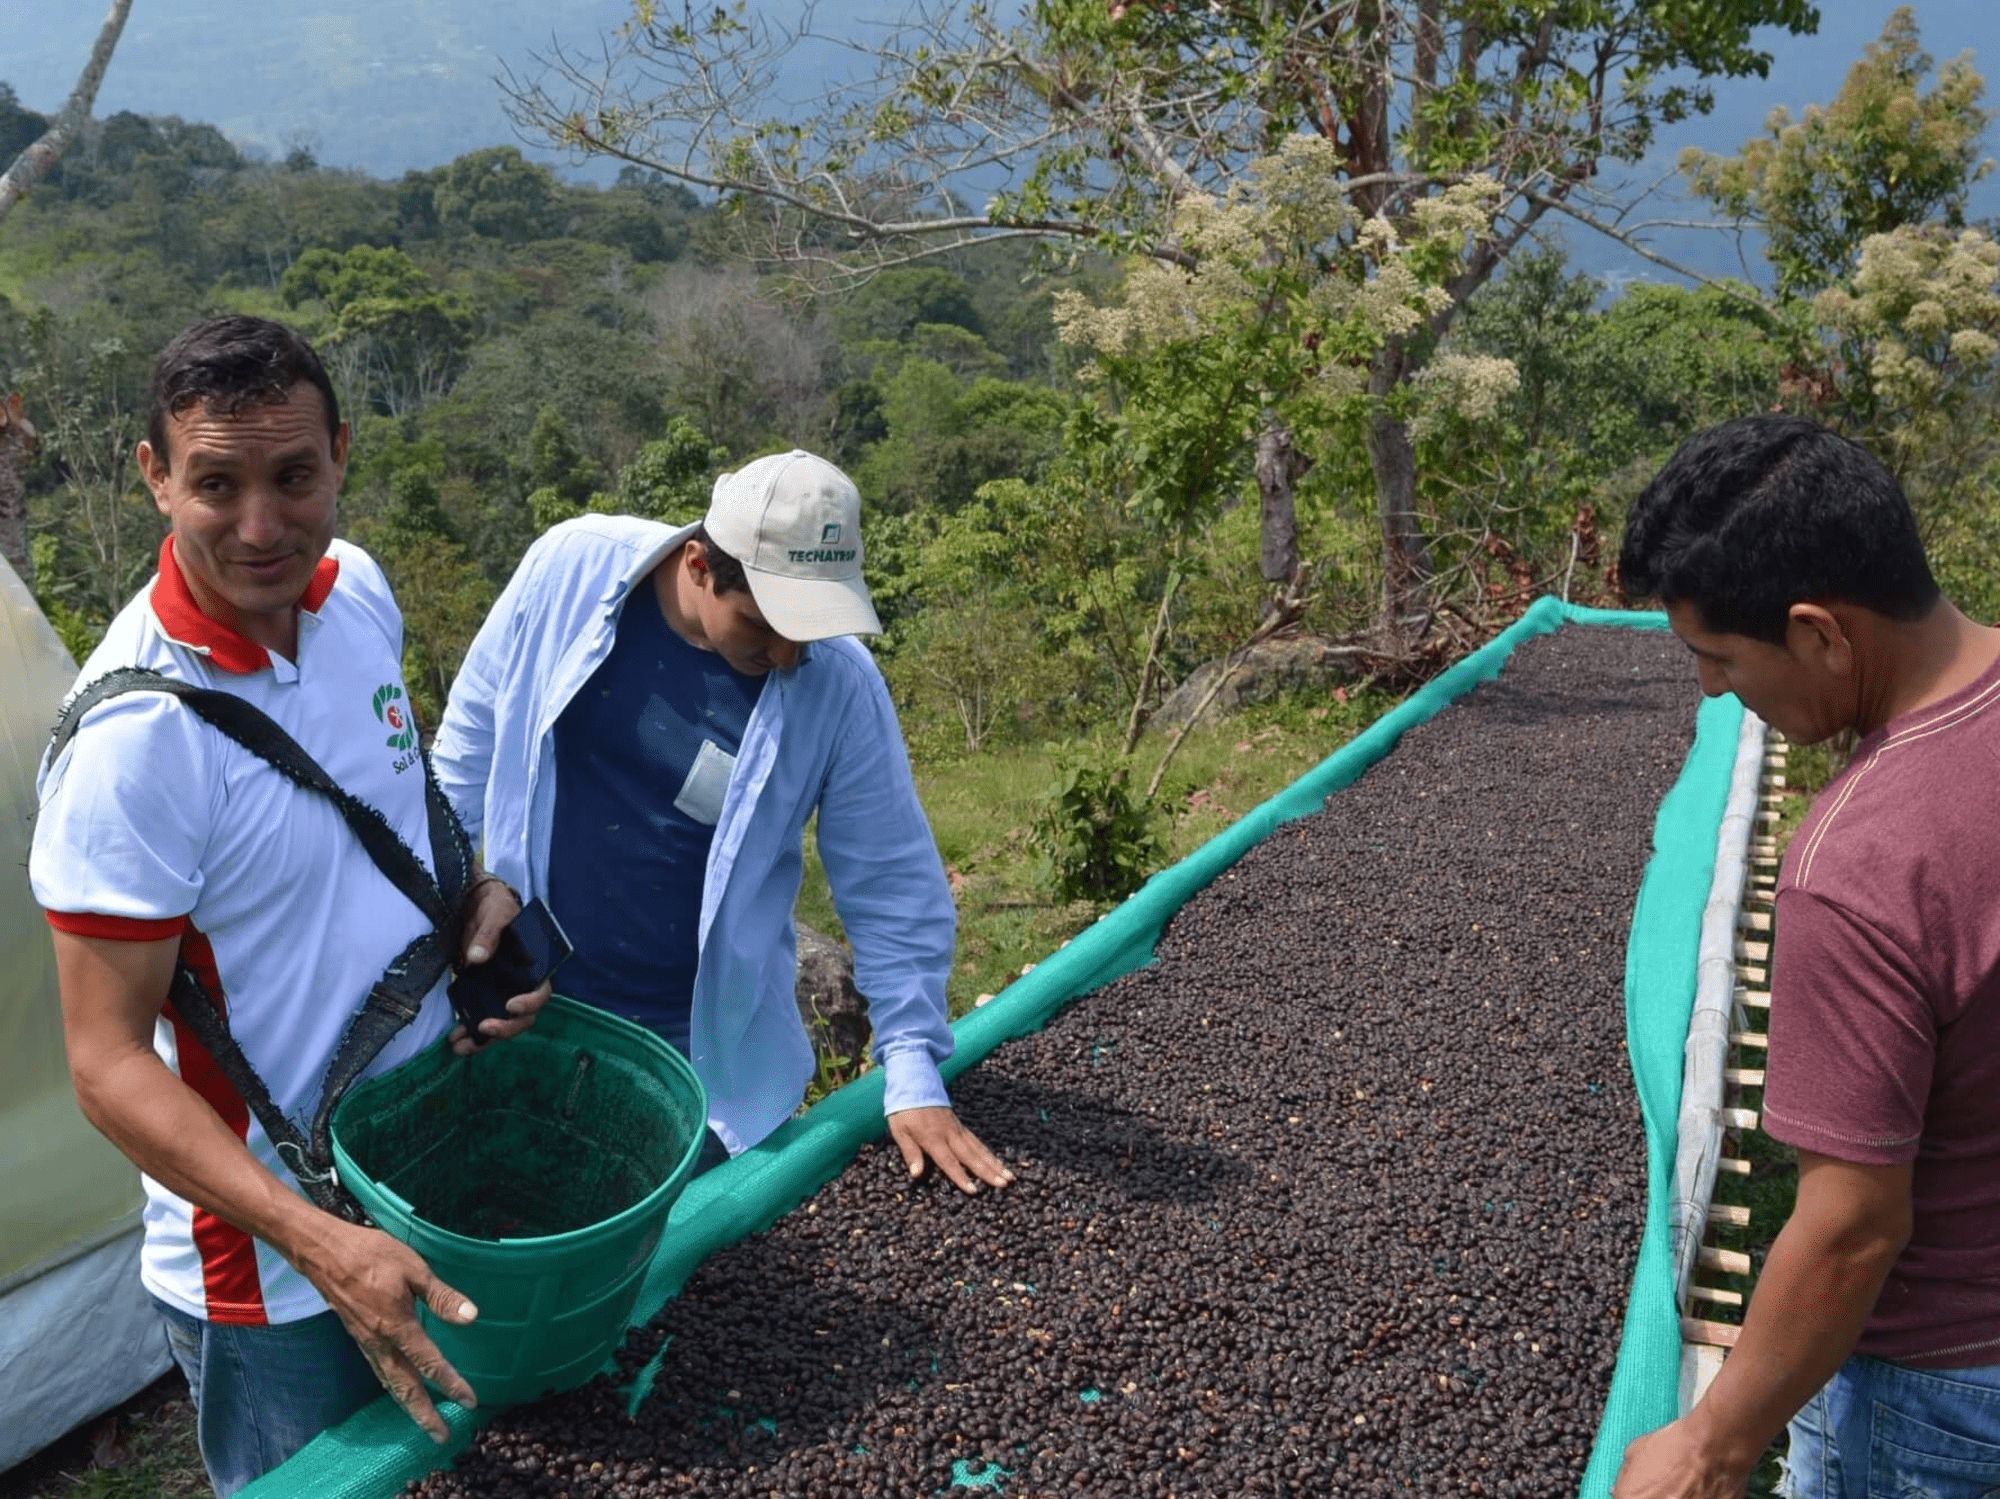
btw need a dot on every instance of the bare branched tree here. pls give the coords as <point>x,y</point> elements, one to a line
<point>738,363</point>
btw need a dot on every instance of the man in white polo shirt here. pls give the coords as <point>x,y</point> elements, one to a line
<point>161,841</point>
<point>641,731</point>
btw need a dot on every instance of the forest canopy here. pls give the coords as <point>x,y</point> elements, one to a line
<point>1070,457</point>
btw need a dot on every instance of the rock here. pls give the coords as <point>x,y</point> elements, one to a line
<point>1270,667</point>
<point>835,1014</point>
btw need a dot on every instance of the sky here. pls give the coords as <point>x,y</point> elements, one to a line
<point>387,85</point>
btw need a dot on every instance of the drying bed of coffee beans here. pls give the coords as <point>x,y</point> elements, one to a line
<point>1339,1197</point>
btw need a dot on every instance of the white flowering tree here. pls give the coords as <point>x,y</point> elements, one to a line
<point>1101,119</point>
<point>1918,365</point>
<point>1886,151</point>
<point>1261,340</point>
<point>1862,203</point>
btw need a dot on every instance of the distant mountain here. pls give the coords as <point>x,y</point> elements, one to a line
<point>383,85</point>
<point>386,85</point>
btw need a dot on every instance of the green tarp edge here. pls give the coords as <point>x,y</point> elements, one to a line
<point>377,1450</point>
<point>1661,957</point>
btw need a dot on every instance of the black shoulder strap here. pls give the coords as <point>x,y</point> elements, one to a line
<point>250,727</point>
<point>396,997</point>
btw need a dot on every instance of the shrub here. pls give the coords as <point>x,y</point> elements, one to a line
<point>1097,838</point>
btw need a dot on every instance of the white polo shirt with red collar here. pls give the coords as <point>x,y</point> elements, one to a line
<point>153,824</point>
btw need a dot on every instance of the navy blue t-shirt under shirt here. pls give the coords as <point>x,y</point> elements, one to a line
<point>643,753</point>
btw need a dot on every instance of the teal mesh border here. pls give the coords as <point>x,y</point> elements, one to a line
<point>1661,958</point>
<point>376,1451</point>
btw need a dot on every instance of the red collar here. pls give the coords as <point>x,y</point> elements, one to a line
<point>184,623</point>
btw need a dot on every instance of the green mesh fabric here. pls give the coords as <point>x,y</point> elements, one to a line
<point>378,1450</point>
<point>965,1475</point>
<point>1660,961</point>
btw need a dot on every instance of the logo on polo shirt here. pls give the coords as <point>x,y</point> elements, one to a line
<point>391,711</point>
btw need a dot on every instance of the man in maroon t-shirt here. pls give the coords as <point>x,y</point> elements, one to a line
<point>1789,563</point>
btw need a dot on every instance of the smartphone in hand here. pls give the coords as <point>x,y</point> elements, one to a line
<point>530,949</point>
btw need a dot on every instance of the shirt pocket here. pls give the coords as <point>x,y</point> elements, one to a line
<point>701,794</point>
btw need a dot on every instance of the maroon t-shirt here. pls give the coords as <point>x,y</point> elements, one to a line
<point>1885,1009</point>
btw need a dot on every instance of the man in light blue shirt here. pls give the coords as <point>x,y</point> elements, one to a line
<point>643,727</point>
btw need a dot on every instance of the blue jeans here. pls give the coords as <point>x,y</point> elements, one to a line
<point>262,1393</point>
<point>1885,1431</point>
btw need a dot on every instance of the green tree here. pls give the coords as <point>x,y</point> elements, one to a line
<point>968,654</point>
<point>86,394</point>
<point>391,337</point>
<point>1256,362</point>
<point>497,194</point>
<point>20,127</point>
<point>1609,389</point>
<point>1884,153</point>
<point>887,307</point>
<point>1863,202</point>
<point>670,477</point>
<point>557,463</point>
<point>441,592</point>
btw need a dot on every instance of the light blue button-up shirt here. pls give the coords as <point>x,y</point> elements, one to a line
<point>823,737</point>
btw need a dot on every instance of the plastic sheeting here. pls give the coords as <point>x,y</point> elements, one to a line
<point>378,1450</point>
<point>73,1343</point>
<point>76,1333</point>
<point>1707,1051</point>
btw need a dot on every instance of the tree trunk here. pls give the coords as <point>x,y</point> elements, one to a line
<point>1406,552</point>
<point>33,164</point>
<point>17,441</point>
<point>1279,466</point>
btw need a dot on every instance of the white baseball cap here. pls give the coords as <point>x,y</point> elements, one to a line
<point>794,521</point>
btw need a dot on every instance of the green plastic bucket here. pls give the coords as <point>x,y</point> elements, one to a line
<point>535,1176</point>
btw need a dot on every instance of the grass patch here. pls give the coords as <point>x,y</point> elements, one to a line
<point>144,1449</point>
<point>981,807</point>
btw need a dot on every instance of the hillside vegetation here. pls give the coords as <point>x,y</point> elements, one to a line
<point>1070,460</point>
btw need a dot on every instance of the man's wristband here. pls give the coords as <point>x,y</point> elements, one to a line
<point>488,879</point>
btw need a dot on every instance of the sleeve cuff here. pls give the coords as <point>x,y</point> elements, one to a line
<point>117,928</point>
<point>910,1080</point>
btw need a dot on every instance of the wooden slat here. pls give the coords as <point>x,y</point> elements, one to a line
<point>1756,921</point>
<point>1737,1118</point>
<point>1699,1366</point>
<point>1756,999</point>
<point>1755,1040</point>
<point>1716,1294</point>
<point>1753,952</point>
<point>1715,1334</point>
<point>1730,1213</point>
<point>1754,976</point>
<point>1728,1261</point>
<point>1744,1077</point>
<point>1733,1166</point>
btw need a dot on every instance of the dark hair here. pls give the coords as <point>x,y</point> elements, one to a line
<point>1758,514</point>
<point>228,365</point>
<point>723,569</point>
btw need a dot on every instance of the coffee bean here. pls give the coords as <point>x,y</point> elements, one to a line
<point>1340,1196</point>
